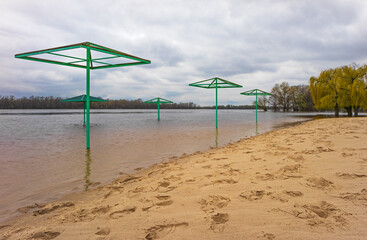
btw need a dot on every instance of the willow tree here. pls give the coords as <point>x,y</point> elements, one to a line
<point>342,87</point>
<point>325,90</point>
<point>354,88</point>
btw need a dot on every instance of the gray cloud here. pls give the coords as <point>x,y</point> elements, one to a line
<point>253,43</point>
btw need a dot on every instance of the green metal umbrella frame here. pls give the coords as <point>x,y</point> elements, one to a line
<point>83,98</point>
<point>255,92</point>
<point>158,101</point>
<point>110,58</point>
<point>215,83</point>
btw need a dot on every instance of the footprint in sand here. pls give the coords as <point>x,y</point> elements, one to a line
<point>86,215</point>
<point>45,235</point>
<point>348,154</point>
<point>356,197</point>
<point>322,214</point>
<point>229,172</point>
<point>218,222</point>
<point>350,175</point>
<point>222,158</point>
<point>153,173</point>
<point>129,179</point>
<point>121,213</point>
<point>266,176</point>
<point>103,231</point>
<point>172,178</point>
<point>163,197</point>
<point>164,203</point>
<point>320,183</point>
<point>296,157</point>
<point>159,231</point>
<point>114,190</point>
<point>207,166</point>
<point>290,168</point>
<point>318,150</point>
<point>137,190</point>
<point>165,187</point>
<point>191,180</point>
<point>289,171</point>
<point>253,195</point>
<point>160,204</point>
<point>278,196</point>
<point>30,207</point>
<point>52,207</point>
<point>214,202</point>
<point>293,193</point>
<point>222,181</point>
<point>254,159</point>
<point>267,236</point>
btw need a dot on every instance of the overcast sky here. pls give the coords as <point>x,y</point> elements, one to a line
<point>252,43</point>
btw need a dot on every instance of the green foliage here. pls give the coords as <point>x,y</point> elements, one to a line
<point>343,87</point>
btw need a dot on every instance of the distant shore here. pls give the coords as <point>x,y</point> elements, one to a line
<point>302,182</point>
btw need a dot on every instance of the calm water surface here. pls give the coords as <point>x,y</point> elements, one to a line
<point>43,156</point>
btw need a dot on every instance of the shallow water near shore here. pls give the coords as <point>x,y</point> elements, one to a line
<point>43,154</point>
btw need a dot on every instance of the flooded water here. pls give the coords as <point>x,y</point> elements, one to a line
<point>43,156</point>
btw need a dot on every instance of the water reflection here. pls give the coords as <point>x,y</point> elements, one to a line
<point>88,160</point>
<point>257,129</point>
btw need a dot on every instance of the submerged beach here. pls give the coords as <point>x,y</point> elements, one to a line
<point>43,155</point>
<point>300,182</point>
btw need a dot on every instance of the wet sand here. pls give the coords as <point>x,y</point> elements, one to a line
<point>303,182</point>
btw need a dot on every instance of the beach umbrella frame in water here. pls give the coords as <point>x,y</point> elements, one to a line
<point>158,101</point>
<point>83,98</point>
<point>215,83</point>
<point>255,92</point>
<point>106,59</point>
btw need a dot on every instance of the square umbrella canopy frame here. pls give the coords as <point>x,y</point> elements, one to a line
<point>158,101</point>
<point>255,92</point>
<point>215,83</point>
<point>90,62</point>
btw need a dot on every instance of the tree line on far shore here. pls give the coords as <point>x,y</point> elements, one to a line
<point>10,102</point>
<point>342,88</point>
<point>284,98</point>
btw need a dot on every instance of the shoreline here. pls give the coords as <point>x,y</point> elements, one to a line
<point>116,154</point>
<point>221,192</point>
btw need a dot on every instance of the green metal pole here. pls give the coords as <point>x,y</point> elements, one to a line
<point>88,99</point>
<point>256,106</point>
<point>158,109</point>
<point>84,114</point>
<point>216,103</point>
<point>158,113</point>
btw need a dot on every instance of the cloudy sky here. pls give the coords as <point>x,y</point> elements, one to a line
<point>254,43</point>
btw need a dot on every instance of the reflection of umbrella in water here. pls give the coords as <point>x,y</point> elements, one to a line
<point>87,170</point>
<point>83,98</point>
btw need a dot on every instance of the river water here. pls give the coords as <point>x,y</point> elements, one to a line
<point>43,156</point>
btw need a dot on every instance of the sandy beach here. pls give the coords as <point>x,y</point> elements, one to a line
<point>303,182</point>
